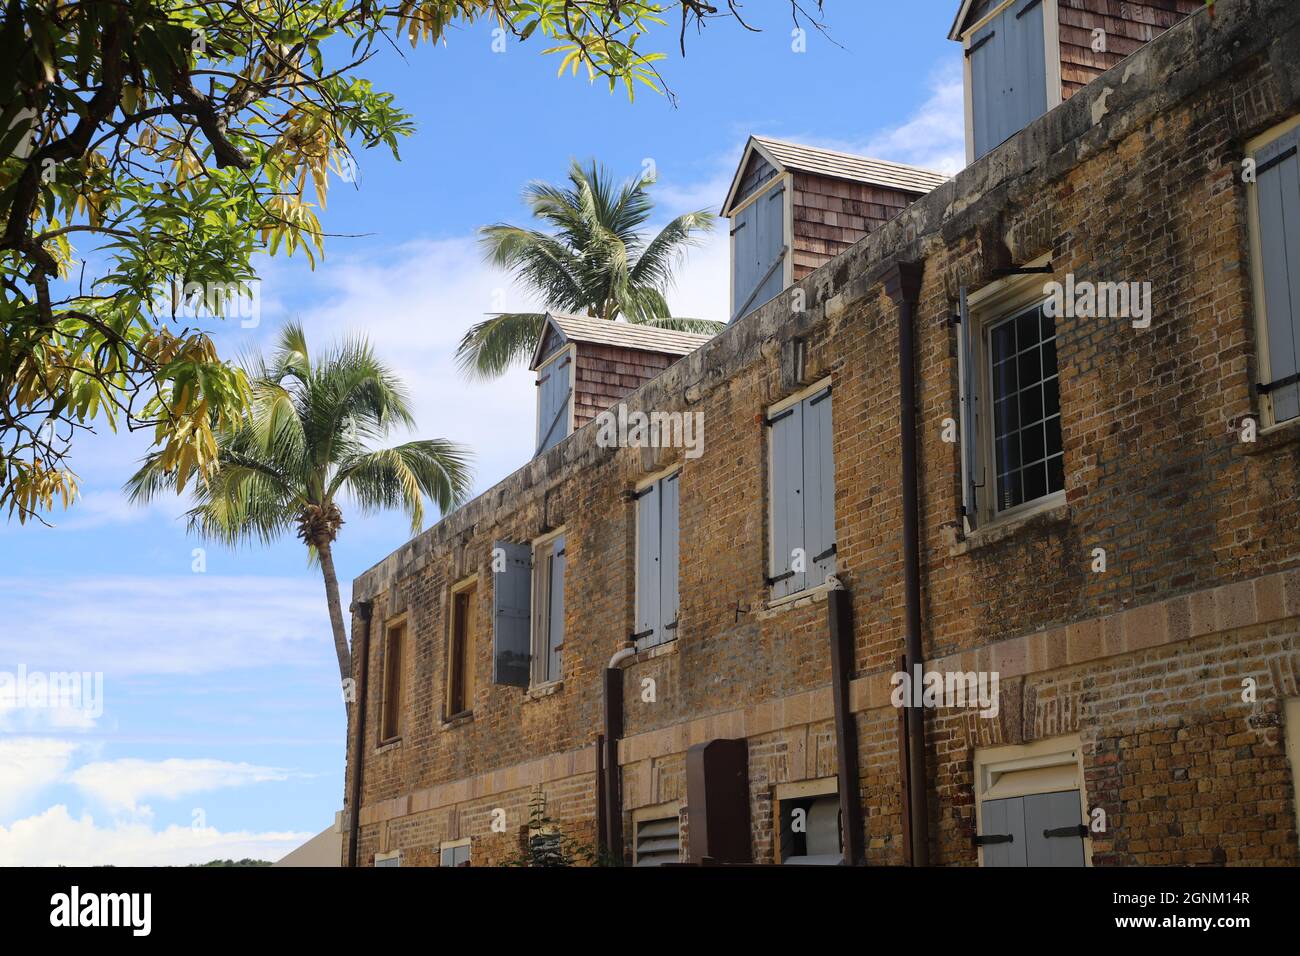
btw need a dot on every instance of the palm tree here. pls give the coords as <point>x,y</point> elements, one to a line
<point>302,446</point>
<point>597,261</point>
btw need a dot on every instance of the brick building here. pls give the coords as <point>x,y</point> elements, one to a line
<point>913,459</point>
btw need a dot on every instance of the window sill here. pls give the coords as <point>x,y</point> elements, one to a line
<point>1048,514</point>
<point>1270,439</point>
<point>798,599</point>
<point>388,745</point>
<point>659,650</point>
<point>539,691</point>
<point>457,720</point>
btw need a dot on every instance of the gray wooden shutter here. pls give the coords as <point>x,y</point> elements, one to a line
<point>1008,74</point>
<point>555,632</point>
<point>1049,812</point>
<point>669,553</point>
<point>511,594</point>
<point>648,566</point>
<point>819,487</point>
<point>1001,818</point>
<point>759,251</point>
<point>1278,190</point>
<point>969,373</point>
<point>787,499</point>
<point>553,406</point>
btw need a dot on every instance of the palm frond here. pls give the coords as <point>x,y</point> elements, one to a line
<point>402,476</point>
<point>499,341</point>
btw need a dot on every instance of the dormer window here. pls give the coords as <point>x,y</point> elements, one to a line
<point>793,208</point>
<point>1024,57</point>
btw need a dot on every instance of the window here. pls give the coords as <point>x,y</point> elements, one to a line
<point>454,853</point>
<point>460,650</point>
<point>389,859</point>
<point>1275,248</point>
<point>1026,403</point>
<point>1012,72</point>
<point>759,250</point>
<point>1012,456</point>
<point>554,405</point>
<point>548,609</point>
<point>802,491</point>
<point>1291,717</point>
<point>1029,805</point>
<point>658,837</point>
<point>657,554</point>
<point>390,726</point>
<point>808,815</point>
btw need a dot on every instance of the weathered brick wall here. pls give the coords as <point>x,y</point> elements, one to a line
<point>1132,179</point>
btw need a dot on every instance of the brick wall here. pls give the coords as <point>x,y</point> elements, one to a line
<point>1132,178</point>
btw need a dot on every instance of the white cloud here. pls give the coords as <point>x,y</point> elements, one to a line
<point>122,784</point>
<point>935,137</point>
<point>163,625</point>
<point>55,838</point>
<point>27,766</point>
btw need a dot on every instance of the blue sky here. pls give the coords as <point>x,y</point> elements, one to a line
<point>221,732</point>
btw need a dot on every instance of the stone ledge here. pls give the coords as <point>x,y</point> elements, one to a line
<point>1058,514</point>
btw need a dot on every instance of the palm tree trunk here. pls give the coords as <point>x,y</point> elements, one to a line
<point>336,610</point>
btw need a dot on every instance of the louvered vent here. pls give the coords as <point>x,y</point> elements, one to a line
<point>658,842</point>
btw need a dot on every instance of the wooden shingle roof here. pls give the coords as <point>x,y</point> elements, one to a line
<point>835,165</point>
<point>627,335</point>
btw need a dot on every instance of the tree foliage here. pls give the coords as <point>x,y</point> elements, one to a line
<point>176,140</point>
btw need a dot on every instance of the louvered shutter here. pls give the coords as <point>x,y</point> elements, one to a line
<point>1278,191</point>
<point>511,594</point>
<point>658,842</point>
<point>553,404</point>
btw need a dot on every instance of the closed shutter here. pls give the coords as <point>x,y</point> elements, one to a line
<point>969,373</point>
<point>553,404</point>
<point>819,487</point>
<point>759,251</point>
<point>648,581</point>
<point>1001,819</point>
<point>669,554</point>
<point>1044,830</point>
<point>1278,190</point>
<point>1008,72</point>
<point>658,842</point>
<point>511,593</point>
<point>787,499</point>
<point>555,631</point>
<point>1052,829</point>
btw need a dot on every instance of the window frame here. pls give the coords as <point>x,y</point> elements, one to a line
<point>1052,60</point>
<point>776,408</point>
<point>446,845</point>
<point>464,655</point>
<point>785,179</point>
<point>540,612</point>
<point>399,626</point>
<point>800,790</point>
<point>569,351</point>
<point>987,308</point>
<point>386,859</point>
<point>1264,402</point>
<point>656,479</point>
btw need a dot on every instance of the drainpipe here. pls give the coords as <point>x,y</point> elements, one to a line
<point>611,802</point>
<point>903,285</point>
<point>362,609</point>
<point>846,730</point>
